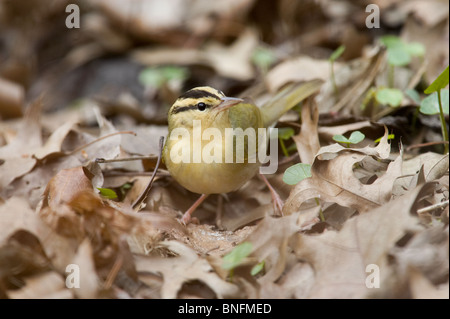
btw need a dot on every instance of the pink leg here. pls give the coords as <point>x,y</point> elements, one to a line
<point>276,199</point>
<point>187,215</point>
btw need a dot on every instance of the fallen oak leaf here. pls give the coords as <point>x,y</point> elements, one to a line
<point>88,281</point>
<point>15,157</point>
<point>333,180</point>
<point>270,241</point>
<point>49,285</point>
<point>54,142</point>
<point>307,141</point>
<point>65,185</point>
<point>185,267</point>
<point>340,258</point>
<point>16,214</point>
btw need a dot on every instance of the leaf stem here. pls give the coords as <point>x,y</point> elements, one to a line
<point>391,76</point>
<point>322,218</point>
<point>443,124</point>
<point>333,80</point>
<point>283,148</point>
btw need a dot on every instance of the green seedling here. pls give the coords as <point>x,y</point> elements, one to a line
<point>107,192</point>
<point>437,102</point>
<point>236,257</point>
<point>257,268</point>
<point>296,173</point>
<point>158,76</point>
<point>263,58</point>
<point>285,133</point>
<point>413,95</point>
<point>387,96</point>
<point>333,57</point>
<point>354,138</point>
<point>390,137</point>
<point>400,53</point>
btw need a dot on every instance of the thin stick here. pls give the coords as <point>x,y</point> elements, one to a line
<point>425,144</point>
<point>98,140</point>
<point>125,159</point>
<point>113,272</point>
<point>112,173</point>
<point>443,123</point>
<point>432,207</point>
<point>144,194</point>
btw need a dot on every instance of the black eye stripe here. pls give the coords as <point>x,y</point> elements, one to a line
<point>197,94</point>
<point>187,108</point>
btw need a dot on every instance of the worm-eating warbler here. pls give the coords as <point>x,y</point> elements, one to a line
<point>212,109</point>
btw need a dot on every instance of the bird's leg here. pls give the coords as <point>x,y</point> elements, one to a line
<point>276,199</point>
<point>187,215</point>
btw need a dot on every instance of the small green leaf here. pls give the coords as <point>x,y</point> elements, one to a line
<point>387,96</point>
<point>296,173</point>
<point>291,148</point>
<point>235,257</point>
<point>399,52</point>
<point>356,137</point>
<point>337,53</point>
<point>440,83</point>
<point>157,76</point>
<point>430,104</point>
<point>391,41</point>
<point>263,58</point>
<point>285,132</point>
<point>174,73</point>
<point>151,77</point>
<point>341,139</point>
<point>415,48</point>
<point>108,193</point>
<point>257,268</point>
<point>413,95</point>
<point>390,137</point>
<point>126,186</point>
<point>398,56</point>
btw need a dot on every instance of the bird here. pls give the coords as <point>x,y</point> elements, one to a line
<point>205,168</point>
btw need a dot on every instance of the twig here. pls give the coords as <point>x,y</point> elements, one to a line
<point>432,207</point>
<point>125,159</point>
<point>98,140</point>
<point>144,194</point>
<point>425,144</point>
<point>113,272</point>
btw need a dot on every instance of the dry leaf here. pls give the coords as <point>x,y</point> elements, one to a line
<point>298,69</point>
<point>307,140</point>
<point>183,268</point>
<point>49,285</point>
<point>421,288</point>
<point>11,99</point>
<point>64,186</point>
<point>339,259</point>
<point>270,244</point>
<point>88,280</point>
<point>16,159</point>
<point>17,215</point>
<point>333,180</point>
<point>54,142</point>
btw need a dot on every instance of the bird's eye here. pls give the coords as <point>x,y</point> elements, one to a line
<point>201,106</point>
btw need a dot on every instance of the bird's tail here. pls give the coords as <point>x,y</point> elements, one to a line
<point>287,98</point>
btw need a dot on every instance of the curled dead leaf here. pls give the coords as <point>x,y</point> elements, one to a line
<point>340,258</point>
<point>333,180</point>
<point>65,185</point>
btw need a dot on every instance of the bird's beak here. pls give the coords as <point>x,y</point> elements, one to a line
<point>227,102</point>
